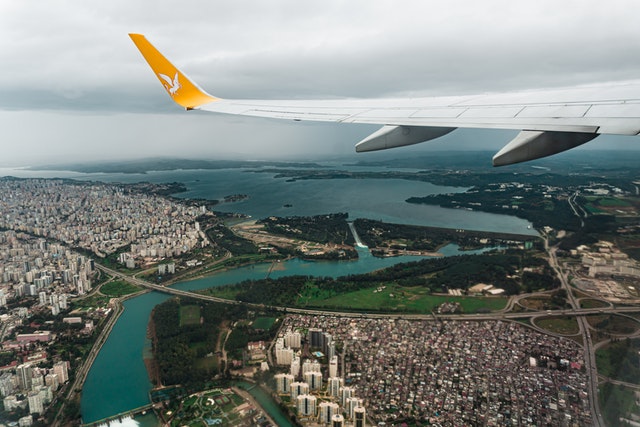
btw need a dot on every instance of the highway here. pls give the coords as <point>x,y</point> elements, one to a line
<point>576,311</point>
<point>589,352</point>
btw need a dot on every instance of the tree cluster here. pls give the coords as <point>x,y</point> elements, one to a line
<point>177,348</point>
<point>227,239</point>
<point>329,228</point>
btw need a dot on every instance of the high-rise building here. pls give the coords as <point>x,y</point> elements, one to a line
<point>310,366</point>
<point>314,336</point>
<point>327,340</point>
<point>10,403</point>
<point>61,369</point>
<point>337,421</point>
<point>345,393</point>
<point>295,366</point>
<point>293,340</point>
<point>333,386</point>
<point>36,403</point>
<point>298,388</point>
<point>24,373</point>
<point>306,405</point>
<point>333,367</point>
<point>327,411</point>
<point>359,417</point>
<point>314,379</point>
<point>7,385</point>
<point>331,350</point>
<point>52,381</point>
<point>283,382</point>
<point>284,356</point>
<point>351,404</point>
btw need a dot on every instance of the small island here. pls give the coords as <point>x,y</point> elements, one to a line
<point>235,198</point>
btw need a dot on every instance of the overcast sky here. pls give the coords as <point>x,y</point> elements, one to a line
<point>73,87</point>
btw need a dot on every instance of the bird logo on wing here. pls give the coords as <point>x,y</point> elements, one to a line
<point>172,86</point>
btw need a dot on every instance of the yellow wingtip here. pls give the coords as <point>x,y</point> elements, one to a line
<point>180,88</point>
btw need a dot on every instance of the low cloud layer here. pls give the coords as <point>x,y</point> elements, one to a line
<point>73,83</point>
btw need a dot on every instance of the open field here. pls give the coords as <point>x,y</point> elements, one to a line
<point>119,288</point>
<point>263,323</point>
<point>559,325</point>
<point>592,303</point>
<point>403,299</point>
<point>189,315</point>
<point>613,324</point>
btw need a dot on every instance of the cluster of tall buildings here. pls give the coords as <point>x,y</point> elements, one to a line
<point>327,402</point>
<point>50,272</point>
<point>32,387</point>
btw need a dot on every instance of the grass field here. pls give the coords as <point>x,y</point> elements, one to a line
<point>559,325</point>
<point>118,288</point>
<point>208,363</point>
<point>592,303</point>
<point>92,301</point>
<point>403,299</point>
<point>542,302</point>
<point>613,202</point>
<point>189,315</point>
<point>263,323</point>
<point>613,324</point>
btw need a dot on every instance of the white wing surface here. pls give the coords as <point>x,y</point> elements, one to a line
<point>550,121</point>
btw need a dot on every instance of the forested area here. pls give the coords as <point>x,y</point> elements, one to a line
<point>376,234</point>
<point>227,239</point>
<point>177,348</point>
<point>329,228</point>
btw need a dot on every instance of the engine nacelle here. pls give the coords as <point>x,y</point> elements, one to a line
<point>530,145</point>
<point>398,136</point>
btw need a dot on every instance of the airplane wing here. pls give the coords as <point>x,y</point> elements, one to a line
<point>550,121</point>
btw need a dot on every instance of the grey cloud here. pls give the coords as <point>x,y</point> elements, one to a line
<point>71,72</point>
